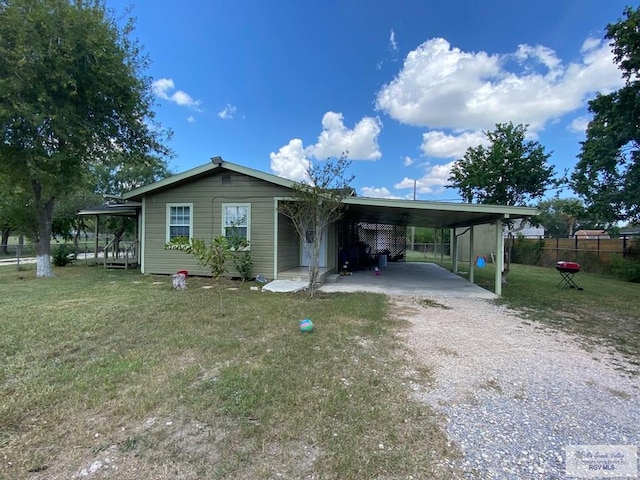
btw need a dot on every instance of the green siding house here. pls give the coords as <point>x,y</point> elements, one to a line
<point>203,203</point>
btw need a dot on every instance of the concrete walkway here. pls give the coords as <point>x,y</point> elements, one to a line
<point>408,278</point>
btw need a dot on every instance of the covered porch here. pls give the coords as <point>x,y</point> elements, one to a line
<point>116,252</point>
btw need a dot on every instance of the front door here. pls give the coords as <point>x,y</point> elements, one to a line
<point>306,249</point>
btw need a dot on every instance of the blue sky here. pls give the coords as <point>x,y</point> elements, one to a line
<point>405,87</point>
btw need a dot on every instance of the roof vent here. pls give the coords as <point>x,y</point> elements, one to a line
<point>217,160</point>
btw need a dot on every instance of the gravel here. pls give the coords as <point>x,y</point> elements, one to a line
<point>515,393</point>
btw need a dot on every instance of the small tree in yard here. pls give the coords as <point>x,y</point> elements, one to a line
<point>317,203</point>
<point>213,256</point>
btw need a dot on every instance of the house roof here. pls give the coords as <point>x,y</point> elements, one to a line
<point>591,233</point>
<point>113,209</point>
<point>364,209</point>
<point>430,214</point>
<point>205,170</point>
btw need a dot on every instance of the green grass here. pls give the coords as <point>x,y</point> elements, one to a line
<point>606,312</point>
<point>99,364</point>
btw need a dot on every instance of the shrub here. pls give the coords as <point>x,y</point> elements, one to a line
<point>527,252</point>
<point>63,255</point>
<point>625,268</point>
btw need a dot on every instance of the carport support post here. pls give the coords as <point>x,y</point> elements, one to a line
<point>499,258</point>
<point>442,247</point>
<point>471,264</point>
<point>97,245</point>
<point>454,250</point>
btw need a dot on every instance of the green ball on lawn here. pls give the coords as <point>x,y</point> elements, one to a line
<point>306,325</point>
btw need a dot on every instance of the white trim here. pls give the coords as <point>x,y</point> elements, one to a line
<point>223,218</point>
<point>168,217</point>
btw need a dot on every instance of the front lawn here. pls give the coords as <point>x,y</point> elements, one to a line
<point>116,373</point>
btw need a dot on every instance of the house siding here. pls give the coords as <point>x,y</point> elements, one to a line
<point>288,244</point>
<point>207,194</point>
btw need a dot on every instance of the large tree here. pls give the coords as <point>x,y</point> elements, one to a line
<point>13,212</point>
<point>561,217</point>
<point>509,171</point>
<point>315,204</point>
<point>72,92</point>
<point>607,175</point>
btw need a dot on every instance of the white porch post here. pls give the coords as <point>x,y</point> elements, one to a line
<point>499,258</point>
<point>471,264</point>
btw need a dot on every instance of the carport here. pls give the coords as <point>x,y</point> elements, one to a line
<point>409,278</point>
<point>439,215</point>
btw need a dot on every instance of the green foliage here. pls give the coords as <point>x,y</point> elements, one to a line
<point>213,256</point>
<point>607,175</point>
<point>625,268</point>
<point>527,252</point>
<point>510,171</point>
<point>63,255</point>
<point>240,254</point>
<point>561,217</point>
<point>72,92</point>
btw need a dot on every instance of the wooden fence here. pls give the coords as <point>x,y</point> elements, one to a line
<point>590,250</point>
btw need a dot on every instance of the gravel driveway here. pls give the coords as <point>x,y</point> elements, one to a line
<point>513,392</point>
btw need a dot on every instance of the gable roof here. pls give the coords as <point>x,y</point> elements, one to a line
<point>204,170</point>
<point>364,209</point>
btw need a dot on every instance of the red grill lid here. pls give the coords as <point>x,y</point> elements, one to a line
<point>569,266</point>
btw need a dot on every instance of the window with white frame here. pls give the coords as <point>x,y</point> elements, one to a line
<point>236,220</point>
<point>179,220</point>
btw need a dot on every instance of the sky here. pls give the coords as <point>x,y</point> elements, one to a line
<point>404,87</point>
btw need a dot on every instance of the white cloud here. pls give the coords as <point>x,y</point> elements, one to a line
<point>227,112</point>
<point>163,88</point>
<point>434,180</point>
<point>408,161</point>
<point>393,45</point>
<point>439,144</point>
<point>361,142</point>
<point>444,87</point>
<point>377,192</point>
<point>290,161</point>
<point>191,119</point>
<point>579,124</point>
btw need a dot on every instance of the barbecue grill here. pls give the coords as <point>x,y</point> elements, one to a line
<point>567,270</point>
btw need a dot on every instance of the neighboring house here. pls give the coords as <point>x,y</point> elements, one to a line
<point>591,234</point>
<point>207,201</point>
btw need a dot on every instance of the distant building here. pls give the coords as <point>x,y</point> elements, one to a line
<point>591,234</point>
<point>529,230</point>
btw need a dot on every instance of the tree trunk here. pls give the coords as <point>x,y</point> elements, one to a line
<point>42,234</point>
<point>508,250</point>
<point>4,243</point>
<point>313,264</point>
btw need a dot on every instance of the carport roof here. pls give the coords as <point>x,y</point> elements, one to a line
<point>419,213</point>
<point>416,213</point>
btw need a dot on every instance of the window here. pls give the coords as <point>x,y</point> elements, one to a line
<point>179,220</point>
<point>236,220</point>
